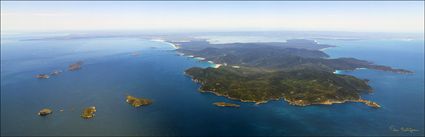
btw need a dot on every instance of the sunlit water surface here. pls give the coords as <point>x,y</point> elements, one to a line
<point>110,72</point>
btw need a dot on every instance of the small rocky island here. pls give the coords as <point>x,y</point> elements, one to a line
<point>56,72</point>
<point>403,129</point>
<point>88,112</point>
<point>42,76</point>
<point>224,104</point>
<point>75,66</point>
<point>45,112</point>
<point>46,76</point>
<point>137,102</point>
<point>408,129</point>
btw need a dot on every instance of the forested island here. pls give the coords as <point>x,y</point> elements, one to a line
<point>137,102</point>
<point>88,112</point>
<point>296,71</point>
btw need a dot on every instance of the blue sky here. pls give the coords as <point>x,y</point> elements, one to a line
<point>390,16</point>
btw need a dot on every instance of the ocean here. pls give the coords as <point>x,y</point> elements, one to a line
<point>111,72</point>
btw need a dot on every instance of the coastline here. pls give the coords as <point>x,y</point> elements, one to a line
<point>291,102</point>
<point>331,102</point>
<point>218,94</point>
<point>164,41</point>
<point>212,64</point>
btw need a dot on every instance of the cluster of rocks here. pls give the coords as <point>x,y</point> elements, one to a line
<point>86,114</point>
<point>72,67</point>
<point>89,112</point>
<point>46,76</point>
<point>403,129</point>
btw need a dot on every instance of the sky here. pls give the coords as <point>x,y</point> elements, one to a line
<point>366,16</point>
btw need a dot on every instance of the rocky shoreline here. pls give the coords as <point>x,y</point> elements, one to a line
<point>331,102</point>
<point>292,102</point>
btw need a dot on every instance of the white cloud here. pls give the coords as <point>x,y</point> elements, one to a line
<point>113,17</point>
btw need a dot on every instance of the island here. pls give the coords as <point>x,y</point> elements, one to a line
<point>75,66</point>
<point>42,76</point>
<point>88,112</point>
<point>296,71</point>
<point>137,102</point>
<point>224,104</point>
<point>44,112</point>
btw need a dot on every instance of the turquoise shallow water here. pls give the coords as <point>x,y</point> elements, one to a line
<point>110,73</point>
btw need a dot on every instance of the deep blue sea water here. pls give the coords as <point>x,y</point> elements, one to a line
<point>110,72</point>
